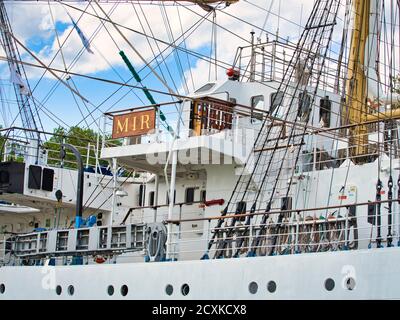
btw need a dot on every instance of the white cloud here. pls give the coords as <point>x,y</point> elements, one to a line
<point>41,25</point>
<point>33,21</point>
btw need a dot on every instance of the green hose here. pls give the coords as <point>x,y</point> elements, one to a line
<point>145,90</point>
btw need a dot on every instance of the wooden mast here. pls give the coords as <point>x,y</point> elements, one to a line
<point>355,108</point>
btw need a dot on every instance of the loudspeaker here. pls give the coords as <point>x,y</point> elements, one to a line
<point>35,177</point>
<point>47,179</point>
<point>12,176</point>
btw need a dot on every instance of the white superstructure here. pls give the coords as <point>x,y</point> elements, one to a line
<point>270,201</point>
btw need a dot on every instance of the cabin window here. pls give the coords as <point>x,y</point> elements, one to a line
<point>304,106</point>
<point>174,197</point>
<point>241,209</point>
<point>325,112</point>
<point>189,195</point>
<point>307,160</point>
<point>276,100</point>
<point>257,102</point>
<point>205,88</point>
<point>142,190</point>
<point>203,195</point>
<point>151,198</point>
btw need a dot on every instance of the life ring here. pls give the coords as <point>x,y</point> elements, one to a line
<point>99,259</point>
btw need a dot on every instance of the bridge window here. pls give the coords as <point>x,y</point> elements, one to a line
<point>189,195</point>
<point>325,112</point>
<point>205,88</point>
<point>276,101</point>
<point>210,115</point>
<point>257,102</point>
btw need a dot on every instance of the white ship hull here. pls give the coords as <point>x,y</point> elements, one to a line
<point>374,274</point>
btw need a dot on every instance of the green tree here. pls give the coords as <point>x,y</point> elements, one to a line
<point>2,144</point>
<point>78,137</point>
<point>15,151</point>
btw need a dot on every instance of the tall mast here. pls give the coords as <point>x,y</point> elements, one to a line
<point>355,108</point>
<point>12,53</point>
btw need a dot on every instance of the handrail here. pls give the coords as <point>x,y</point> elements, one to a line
<point>258,212</point>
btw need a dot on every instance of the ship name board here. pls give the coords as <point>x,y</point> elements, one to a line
<point>133,124</point>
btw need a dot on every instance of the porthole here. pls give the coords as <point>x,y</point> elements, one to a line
<point>2,288</point>
<point>350,283</point>
<point>58,290</point>
<point>71,290</point>
<point>329,284</point>
<point>110,290</point>
<point>253,287</point>
<point>124,290</point>
<point>169,289</point>
<point>271,286</point>
<point>185,289</point>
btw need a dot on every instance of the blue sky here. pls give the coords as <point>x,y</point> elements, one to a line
<point>40,38</point>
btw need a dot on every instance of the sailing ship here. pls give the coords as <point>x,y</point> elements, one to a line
<point>279,181</point>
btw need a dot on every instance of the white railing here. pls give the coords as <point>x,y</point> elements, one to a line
<point>16,148</point>
<point>300,233</point>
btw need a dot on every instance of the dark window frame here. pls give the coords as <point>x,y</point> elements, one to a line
<point>273,101</point>
<point>325,111</point>
<point>304,106</point>
<point>203,196</point>
<point>151,198</point>
<point>192,189</point>
<point>256,115</point>
<point>142,195</point>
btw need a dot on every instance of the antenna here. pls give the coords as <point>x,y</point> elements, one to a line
<point>253,60</point>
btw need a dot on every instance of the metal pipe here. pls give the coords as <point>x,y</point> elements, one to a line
<point>171,198</point>
<point>157,182</point>
<point>114,169</point>
<point>252,59</point>
<point>79,189</point>
<point>87,155</point>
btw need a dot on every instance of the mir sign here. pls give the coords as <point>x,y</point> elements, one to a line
<point>133,124</point>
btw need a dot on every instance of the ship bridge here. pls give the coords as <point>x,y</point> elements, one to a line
<point>215,125</point>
